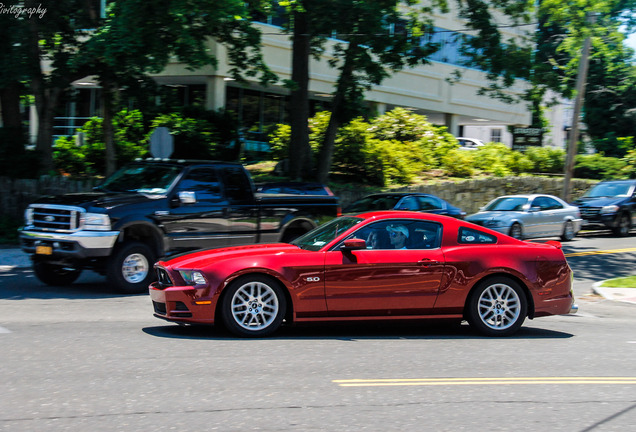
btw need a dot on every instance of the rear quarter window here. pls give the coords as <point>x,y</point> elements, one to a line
<point>473,236</point>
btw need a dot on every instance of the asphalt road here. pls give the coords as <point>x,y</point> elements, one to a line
<point>83,359</point>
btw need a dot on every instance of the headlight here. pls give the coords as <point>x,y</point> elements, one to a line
<point>28,216</point>
<point>609,209</point>
<point>192,277</point>
<point>96,222</point>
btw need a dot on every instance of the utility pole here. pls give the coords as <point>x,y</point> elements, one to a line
<point>581,80</point>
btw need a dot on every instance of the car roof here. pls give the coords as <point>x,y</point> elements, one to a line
<point>529,196</point>
<point>182,162</point>
<point>379,194</point>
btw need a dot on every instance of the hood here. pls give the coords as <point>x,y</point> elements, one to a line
<point>201,259</point>
<point>598,201</point>
<point>94,199</point>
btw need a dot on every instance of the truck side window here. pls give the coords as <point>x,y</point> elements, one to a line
<point>204,182</point>
<point>238,188</point>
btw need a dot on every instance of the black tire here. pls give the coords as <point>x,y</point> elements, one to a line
<point>568,231</point>
<point>623,225</point>
<point>497,307</point>
<point>130,268</point>
<point>55,275</point>
<point>253,306</point>
<point>516,231</point>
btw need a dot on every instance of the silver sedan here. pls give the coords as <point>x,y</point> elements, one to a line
<point>530,216</point>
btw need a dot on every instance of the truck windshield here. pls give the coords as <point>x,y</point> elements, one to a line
<point>151,179</point>
<point>320,236</point>
<point>609,190</point>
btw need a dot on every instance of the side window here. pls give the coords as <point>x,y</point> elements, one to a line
<point>204,182</point>
<point>546,203</point>
<point>473,236</point>
<point>408,203</point>
<point>553,204</point>
<point>430,203</point>
<point>237,186</point>
<point>401,234</point>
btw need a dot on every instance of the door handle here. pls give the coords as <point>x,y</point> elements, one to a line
<point>428,262</point>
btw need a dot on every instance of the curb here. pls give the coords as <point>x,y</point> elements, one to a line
<point>626,295</point>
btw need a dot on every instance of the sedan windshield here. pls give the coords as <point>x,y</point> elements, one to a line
<point>150,179</point>
<point>318,237</point>
<point>609,190</point>
<point>507,204</point>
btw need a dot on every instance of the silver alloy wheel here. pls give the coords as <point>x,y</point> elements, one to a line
<point>515,231</point>
<point>568,231</point>
<point>499,306</point>
<point>254,306</point>
<point>135,268</point>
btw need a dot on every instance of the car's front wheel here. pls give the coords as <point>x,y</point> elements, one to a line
<point>253,306</point>
<point>497,307</point>
<point>568,231</point>
<point>623,226</point>
<point>55,275</point>
<point>516,231</point>
<point>130,269</point>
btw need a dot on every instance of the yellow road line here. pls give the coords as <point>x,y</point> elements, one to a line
<point>483,381</point>
<point>601,252</point>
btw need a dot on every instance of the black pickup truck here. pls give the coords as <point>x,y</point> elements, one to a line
<point>153,208</point>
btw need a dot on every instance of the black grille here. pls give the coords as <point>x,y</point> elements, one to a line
<point>163,277</point>
<point>160,308</point>
<point>48,218</point>
<point>589,212</point>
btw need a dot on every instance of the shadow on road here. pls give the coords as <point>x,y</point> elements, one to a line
<point>353,332</point>
<point>89,286</point>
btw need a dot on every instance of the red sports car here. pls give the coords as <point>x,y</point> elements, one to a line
<point>372,266</point>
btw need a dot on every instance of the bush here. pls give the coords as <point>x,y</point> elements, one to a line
<point>193,138</point>
<point>458,163</point>
<point>597,166</point>
<point>548,160</point>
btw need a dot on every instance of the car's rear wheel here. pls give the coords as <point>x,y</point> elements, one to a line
<point>516,231</point>
<point>253,306</point>
<point>497,307</point>
<point>623,226</point>
<point>54,274</point>
<point>568,231</point>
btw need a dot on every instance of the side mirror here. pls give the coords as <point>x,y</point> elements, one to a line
<point>187,197</point>
<point>534,209</point>
<point>353,244</point>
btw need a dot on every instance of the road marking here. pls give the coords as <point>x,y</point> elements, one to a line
<point>602,252</point>
<point>483,381</point>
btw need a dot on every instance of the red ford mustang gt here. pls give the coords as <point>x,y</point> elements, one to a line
<point>381,265</point>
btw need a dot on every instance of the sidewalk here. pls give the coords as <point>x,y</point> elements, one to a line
<point>627,295</point>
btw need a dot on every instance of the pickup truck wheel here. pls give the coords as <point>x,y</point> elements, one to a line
<point>55,275</point>
<point>253,306</point>
<point>497,307</point>
<point>623,226</point>
<point>130,268</point>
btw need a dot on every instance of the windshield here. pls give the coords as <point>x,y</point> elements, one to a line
<point>151,179</point>
<point>609,190</point>
<point>382,202</point>
<point>507,204</point>
<point>318,237</point>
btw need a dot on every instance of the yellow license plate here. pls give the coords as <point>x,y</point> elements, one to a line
<point>44,250</point>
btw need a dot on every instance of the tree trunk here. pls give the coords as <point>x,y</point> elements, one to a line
<point>10,106</point>
<point>107,123</point>
<point>300,161</point>
<point>336,119</point>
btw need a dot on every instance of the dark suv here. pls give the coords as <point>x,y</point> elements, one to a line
<point>609,204</point>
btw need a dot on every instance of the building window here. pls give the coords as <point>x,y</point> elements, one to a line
<point>495,135</point>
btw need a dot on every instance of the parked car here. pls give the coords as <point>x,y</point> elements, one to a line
<point>530,216</point>
<point>405,201</point>
<point>153,208</point>
<point>295,188</point>
<point>469,143</point>
<point>425,266</point>
<point>610,204</point>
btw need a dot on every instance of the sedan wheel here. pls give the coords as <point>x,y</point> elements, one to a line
<point>254,306</point>
<point>515,231</point>
<point>497,307</point>
<point>568,231</point>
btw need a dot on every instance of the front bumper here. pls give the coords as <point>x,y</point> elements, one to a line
<point>181,304</point>
<point>80,244</point>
